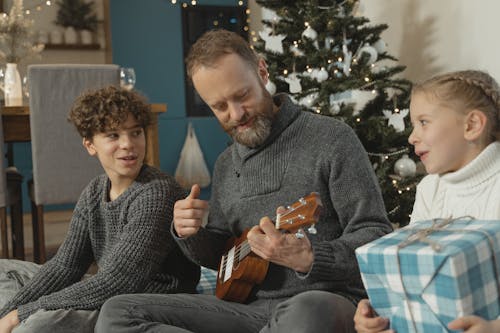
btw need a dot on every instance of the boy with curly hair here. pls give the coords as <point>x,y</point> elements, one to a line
<point>121,221</point>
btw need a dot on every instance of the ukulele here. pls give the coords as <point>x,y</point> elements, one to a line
<point>240,269</point>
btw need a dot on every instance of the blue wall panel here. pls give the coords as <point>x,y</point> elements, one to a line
<point>147,35</point>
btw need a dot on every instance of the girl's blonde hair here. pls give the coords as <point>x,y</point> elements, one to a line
<point>465,91</point>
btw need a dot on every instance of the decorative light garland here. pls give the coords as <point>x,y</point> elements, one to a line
<point>194,3</point>
<point>39,7</point>
<point>387,155</point>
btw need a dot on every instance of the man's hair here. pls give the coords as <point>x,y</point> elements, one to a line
<point>466,91</point>
<point>101,110</point>
<point>214,44</point>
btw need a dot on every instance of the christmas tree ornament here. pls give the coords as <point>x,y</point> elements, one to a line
<point>396,118</point>
<point>370,51</point>
<point>311,34</point>
<point>273,42</point>
<point>321,74</point>
<point>270,87</point>
<point>361,98</point>
<point>294,83</point>
<point>346,65</point>
<point>270,15</point>
<point>334,108</point>
<point>405,166</point>
<point>296,51</point>
<point>380,46</point>
<point>308,101</point>
<point>336,100</point>
<point>329,41</point>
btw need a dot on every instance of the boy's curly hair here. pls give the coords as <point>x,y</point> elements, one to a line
<point>105,109</point>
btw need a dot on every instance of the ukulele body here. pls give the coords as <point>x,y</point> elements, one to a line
<point>244,275</point>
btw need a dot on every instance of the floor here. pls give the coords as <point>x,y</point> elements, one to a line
<point>56,226</point>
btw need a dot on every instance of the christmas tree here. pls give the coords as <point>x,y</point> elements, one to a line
<point>333,62</point>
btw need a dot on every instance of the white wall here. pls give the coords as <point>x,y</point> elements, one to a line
<point>434,36</point>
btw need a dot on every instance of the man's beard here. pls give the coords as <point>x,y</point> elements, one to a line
<point>261,128</point>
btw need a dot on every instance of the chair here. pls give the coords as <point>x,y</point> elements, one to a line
<point>61,166</point>
<point>10,195</point>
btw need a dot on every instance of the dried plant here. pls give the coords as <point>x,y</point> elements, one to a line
<point>16,36</point>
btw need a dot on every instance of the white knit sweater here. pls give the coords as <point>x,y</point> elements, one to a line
<point>473,190</point>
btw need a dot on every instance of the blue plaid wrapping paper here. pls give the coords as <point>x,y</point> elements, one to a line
<point>424,285</point>
<point>208,280</point>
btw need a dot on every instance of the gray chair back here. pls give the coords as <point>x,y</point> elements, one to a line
<point>3,198</point>
<point>3,179</point>
<point>61,165</point>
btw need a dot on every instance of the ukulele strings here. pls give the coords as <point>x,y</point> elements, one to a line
<point>243,249</point>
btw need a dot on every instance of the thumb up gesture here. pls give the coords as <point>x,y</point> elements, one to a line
<point>190,213</point>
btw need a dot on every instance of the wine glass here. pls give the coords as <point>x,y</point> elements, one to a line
<point>2,78</point>
<point>127,78</point>
<point>26,89</point>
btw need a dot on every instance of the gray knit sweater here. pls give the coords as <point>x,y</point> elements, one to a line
<point>128,238</point>
<point>305,153</point>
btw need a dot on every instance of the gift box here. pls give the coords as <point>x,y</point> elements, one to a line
<point>427,274</point>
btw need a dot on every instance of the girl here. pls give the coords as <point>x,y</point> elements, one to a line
<point>456,134</point>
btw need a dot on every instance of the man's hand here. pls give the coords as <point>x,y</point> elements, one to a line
<point>475,324</point>
<point>367,321</point>
<point>189,213</point>
<point>279,248</point>
<point>9,321</point>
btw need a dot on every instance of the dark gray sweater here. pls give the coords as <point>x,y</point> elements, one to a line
<point>305,153</point>
<point>129,239</point>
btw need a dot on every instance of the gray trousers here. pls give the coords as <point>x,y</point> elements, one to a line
<point>13,276</point>
<point>308,312</point>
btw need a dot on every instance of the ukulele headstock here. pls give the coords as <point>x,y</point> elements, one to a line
<point>302,213</point>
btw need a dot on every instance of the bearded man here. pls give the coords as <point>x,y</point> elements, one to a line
<point>279,154</point>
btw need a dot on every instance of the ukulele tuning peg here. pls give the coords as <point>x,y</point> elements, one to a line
<point>312,230</point>
<point>299,234</point>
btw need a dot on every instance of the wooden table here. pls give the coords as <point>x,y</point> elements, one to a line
<point>16,128</point>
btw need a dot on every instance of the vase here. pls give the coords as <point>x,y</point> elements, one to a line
<point>56,37</point>
<point>70,35</point>
<point>13,90</point>
<point>86,37</point>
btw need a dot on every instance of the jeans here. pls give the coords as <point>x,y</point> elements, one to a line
<point>13,276</point>
<point>308,312</point>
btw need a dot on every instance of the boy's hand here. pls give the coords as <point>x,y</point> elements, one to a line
<point>367,321</point>
<point>475,324</point>
<point>189,213</point>
<point>9,321</point>
<point>279,248</point>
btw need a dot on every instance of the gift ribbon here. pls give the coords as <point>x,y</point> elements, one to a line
<point>420,235</point>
